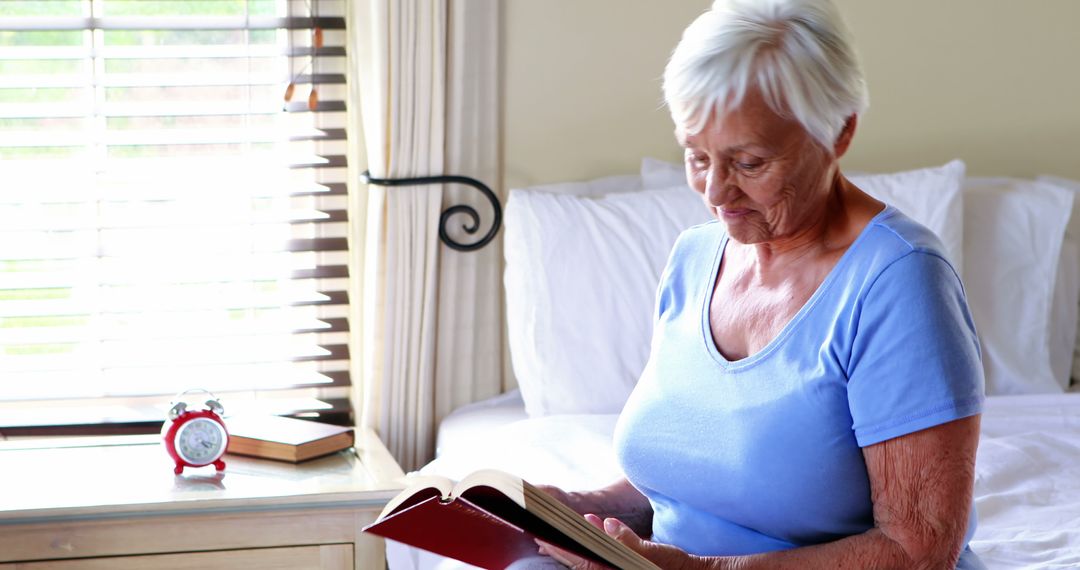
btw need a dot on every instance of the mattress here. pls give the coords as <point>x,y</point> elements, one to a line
<point>462,427</point>
<point>1027,482</point>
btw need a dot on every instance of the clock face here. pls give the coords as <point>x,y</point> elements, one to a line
<point>200,441</point>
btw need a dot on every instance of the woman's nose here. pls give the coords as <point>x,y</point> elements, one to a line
<point>720,189</point>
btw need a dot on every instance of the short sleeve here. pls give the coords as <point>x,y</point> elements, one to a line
<point>915,360</point>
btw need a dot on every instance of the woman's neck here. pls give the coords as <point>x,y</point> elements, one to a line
<point>829,229</point>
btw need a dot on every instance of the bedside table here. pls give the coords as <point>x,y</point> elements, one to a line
<point>115,503</point>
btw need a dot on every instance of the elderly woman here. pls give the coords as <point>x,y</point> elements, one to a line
<point>813,393</point>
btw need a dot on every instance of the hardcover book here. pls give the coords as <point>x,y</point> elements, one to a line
<point>285,439</point>
<point>492,519</point>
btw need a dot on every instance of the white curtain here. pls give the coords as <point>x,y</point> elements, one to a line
<point>469,356</point>
<point>427,312</point>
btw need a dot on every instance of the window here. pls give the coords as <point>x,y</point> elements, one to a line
<point>167,221</point>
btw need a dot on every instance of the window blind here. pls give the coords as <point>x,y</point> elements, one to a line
<point>168,220</point>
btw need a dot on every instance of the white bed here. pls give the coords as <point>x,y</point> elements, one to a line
<point>1027,484</point>
<point>1008,236</point>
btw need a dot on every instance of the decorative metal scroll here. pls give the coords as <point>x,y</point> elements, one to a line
<point>444,218</point>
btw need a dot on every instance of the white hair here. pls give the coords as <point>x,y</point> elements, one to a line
<point>797,53</point>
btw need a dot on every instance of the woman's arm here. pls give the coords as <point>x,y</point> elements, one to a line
<point>620,500</point>
<point>921,487</point>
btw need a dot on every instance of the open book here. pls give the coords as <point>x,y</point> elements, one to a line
<point>491,519</point>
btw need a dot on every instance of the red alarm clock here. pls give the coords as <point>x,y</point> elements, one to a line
<point>195,438</point>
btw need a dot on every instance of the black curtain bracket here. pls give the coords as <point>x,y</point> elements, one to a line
<point>444,218</point>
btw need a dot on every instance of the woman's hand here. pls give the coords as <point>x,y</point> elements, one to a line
<point>660,554</point>
<point>572,500</point>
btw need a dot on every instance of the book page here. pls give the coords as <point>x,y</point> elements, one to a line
<point>505,483</point>
<point>418,488</point>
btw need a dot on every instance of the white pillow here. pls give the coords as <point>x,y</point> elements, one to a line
<point>597,188</point>
<point>930,196</point>
<point>1013,232</point>
<point>1065,311</point>
<point>1072,239</point>
<point>656,173</point>
<point>581,278</point>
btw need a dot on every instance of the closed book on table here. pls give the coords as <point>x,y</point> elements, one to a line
<point>285,439</point>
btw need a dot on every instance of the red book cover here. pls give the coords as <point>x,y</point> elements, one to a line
<point>460,530</point>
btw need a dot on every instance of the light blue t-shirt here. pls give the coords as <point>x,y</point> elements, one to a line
<point>764,453</point>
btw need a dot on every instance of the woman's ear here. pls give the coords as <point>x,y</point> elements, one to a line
<point>843,140</point>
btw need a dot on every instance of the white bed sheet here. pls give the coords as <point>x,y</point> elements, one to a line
<point>1027,482</point>
<point>1027,485</point>
<point>462,427</point>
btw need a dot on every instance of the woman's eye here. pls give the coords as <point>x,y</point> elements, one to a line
<point>699,161</point>
<point>748,166</point>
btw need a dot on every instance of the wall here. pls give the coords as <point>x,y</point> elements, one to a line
<point>582,86</point>
<point>994,82</point>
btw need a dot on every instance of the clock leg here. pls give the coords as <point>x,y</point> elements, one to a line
<point>179,469</point>
<point>219,465</point>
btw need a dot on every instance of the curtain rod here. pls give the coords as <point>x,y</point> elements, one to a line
<point>444,218</point>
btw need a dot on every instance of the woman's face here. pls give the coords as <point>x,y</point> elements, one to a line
<point>761,174</point>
